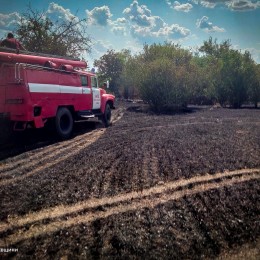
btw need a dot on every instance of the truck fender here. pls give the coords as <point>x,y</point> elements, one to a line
<point>106,98</point>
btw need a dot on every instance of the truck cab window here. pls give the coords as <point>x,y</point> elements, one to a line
<point>94,82</point>
<point>84,80</point>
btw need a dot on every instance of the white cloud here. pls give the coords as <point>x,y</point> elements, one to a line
<point>119,30</point>
<point>9,21</point>
<point>234,5</point>
<point>140,32</point>
<point>138,14</point>
<point>56,12</point>
<point>157,23</point>
<point>101,46</point>
<point>117,43</point>
<point>207,26</point>
<point>180,7</point>
<point>209,3</point>
<point>174,31</point>
<point>98,49</point>
<point>144,25</point>
<point>99,15</point>
<point>119,26</point>
<point>243,5</point>
<point>121,20</point>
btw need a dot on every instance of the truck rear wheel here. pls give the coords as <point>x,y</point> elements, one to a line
<point>64,123</point>
<point>107,116</point>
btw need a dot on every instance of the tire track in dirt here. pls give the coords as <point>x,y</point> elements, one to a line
<point>150,164</point>
<point>46,155</point>
<point>46,158</point>
<point>50,159</point>
<point>148,198</point>
<point>186,124</point>
<point>118,114</point>
<point>107,180</point>
<point>19,160</point>
<point>15,162</point>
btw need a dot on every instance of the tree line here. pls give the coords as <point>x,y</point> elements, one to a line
<point>167,76</point>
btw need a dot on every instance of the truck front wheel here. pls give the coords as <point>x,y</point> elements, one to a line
<point>107,116</point>
<point>64,123</point>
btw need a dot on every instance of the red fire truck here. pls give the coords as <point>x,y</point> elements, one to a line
<point>36,89</point>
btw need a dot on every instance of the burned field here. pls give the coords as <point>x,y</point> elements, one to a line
<point>151,186</point>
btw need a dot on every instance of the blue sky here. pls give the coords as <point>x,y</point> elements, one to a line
<point>128,24</point>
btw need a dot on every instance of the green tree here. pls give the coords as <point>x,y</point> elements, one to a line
<point>166,81</point>
<point>38,33</point>
<point>202,85</point>
<point>231,72</point>
<point>254,84</point>
<point>130,77</point>
<point>110,67</point>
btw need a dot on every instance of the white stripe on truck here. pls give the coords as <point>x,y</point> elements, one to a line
<point>54,88</point>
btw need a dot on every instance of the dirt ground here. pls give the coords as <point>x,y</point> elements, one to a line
<point>179,186</point>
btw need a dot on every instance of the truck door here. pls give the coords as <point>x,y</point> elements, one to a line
<point>96,93</point>
<point>86,91</point>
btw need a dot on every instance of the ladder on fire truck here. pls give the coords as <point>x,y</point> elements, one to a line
<point>9,50</point>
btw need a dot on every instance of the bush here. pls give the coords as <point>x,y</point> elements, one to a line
<point>164,86</point>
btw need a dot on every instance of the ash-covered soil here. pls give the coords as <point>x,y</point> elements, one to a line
<point>179,186</point>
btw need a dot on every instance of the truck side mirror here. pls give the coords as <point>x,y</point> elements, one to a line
<point>106,84</point>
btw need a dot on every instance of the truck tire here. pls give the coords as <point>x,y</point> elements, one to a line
<point>107,116</point>
<point>64,123</point>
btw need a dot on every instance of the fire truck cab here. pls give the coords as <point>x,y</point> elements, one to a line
<point>37,89</point>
